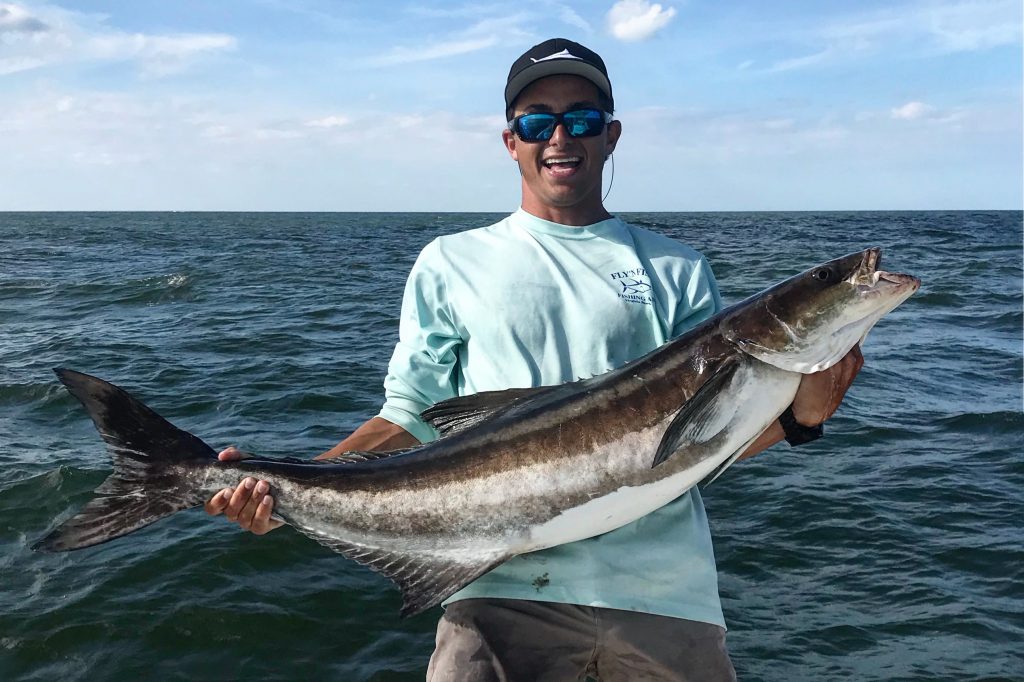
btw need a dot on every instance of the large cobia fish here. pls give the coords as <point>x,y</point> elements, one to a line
<point>517,470</point>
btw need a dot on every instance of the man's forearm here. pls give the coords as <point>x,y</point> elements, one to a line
<point>769,437</point>
<point>376,435</point>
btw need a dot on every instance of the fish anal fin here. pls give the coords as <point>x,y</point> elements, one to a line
<point>425,579</point>
<point>456,414</point>
<point>701,418</point>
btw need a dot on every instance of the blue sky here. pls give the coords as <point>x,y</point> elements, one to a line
<point>397,106</point>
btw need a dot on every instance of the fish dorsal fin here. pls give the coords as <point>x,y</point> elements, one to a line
<point>346,458</point>
<point>702,417</point>
<point>456,414</point>
<point>425,578</point>
<point>356,457</point>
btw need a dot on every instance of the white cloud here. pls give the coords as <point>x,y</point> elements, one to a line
<point>922,28</point>
<point>633,20</point>
<point>151,149</point>
<point>16,64</point>
<point>277,134</point>
<point>971,26</point>
<point>800,62</point>
<point>911,111</point>
<point>569,16</point>
<point>216,132</point>
<point>483,34</point>
<point>47,35</point>
<point>156,151</point>
<point>159,55</point>
<point>16,19</point>
<point>407,55</point>
<point>328,122</point>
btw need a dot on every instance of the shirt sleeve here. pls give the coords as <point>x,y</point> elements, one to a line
<point>421,371</point>
<point>701,298</point>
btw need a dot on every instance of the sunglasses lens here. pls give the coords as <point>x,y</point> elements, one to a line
<point>540,127</point>
<point>534,127</point>
<point>583,123</point>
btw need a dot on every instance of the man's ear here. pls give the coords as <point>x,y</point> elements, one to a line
<point>614,131</point>
<point>509,138</point>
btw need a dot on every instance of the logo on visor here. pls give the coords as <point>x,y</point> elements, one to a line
<point>564,54</point>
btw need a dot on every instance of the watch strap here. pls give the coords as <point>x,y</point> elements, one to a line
<point>797,433</point>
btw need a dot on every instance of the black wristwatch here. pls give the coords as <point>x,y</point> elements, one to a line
<point>797,433</point>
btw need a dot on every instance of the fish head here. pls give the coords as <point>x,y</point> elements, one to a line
<point>811,321</point>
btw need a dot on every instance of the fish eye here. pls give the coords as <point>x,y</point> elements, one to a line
<point>822,274</point>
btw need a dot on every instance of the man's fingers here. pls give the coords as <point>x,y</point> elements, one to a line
<point>249,505</point>
<point>858,361</point>
<point>239,498</point>
<point>261,521</point>
<point>247,515</point>
<point>821,393</point>
<point>216,504</point>
<point>229,454</point>
<point>851,366</point>
<point>841,377</point>
<point>856,352</point>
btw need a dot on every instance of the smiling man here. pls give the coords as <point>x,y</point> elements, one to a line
<point>558,137</point>
<point>559,290</point>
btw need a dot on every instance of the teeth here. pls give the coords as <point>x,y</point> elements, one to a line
<point>567,159</point>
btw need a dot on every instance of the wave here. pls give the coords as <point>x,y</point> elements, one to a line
<point>988,423</point>
<point>172,287</point>
<point>35,393</point>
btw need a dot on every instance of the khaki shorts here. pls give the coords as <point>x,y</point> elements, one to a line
<point>499,640</point>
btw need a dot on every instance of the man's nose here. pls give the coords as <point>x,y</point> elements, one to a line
<point>560,135</point>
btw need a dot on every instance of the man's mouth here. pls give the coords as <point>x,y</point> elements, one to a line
<point>560,165</point>
<point>563,162</point>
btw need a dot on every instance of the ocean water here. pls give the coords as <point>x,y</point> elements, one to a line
<point>893,548</point>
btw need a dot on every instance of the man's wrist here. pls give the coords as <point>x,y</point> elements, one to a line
<point>797,433</point>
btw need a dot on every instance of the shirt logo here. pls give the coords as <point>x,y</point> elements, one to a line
<point>564,54</point>
<point>635,286</point>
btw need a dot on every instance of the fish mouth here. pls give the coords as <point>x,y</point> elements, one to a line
<point>870,280</point>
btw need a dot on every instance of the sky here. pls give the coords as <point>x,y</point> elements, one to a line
<point>317,105</point>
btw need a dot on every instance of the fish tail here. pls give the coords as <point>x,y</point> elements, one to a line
<point>150,456</point>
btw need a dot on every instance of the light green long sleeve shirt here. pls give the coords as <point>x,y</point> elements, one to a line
<point>526,302</point>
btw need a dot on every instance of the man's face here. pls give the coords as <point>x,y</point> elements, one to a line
<point>562,175</point>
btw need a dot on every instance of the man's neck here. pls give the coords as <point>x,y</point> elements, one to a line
<point>573,216</point>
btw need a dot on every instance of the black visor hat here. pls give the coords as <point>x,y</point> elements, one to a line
<point>557,57</point>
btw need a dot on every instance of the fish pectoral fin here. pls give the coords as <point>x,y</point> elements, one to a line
<point>702,417</point>
<point>425,579</point>
<point>456,414</point>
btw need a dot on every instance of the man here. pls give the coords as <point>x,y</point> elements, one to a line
<point>556,291</point>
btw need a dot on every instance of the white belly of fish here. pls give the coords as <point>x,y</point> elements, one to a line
<point>755,398</point>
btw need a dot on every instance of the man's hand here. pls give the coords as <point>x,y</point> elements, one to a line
<point>820,394</point>
<point>817,398</point>
<point>249,505</point>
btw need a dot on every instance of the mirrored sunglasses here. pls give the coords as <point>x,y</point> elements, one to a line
<point>541,126</point>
